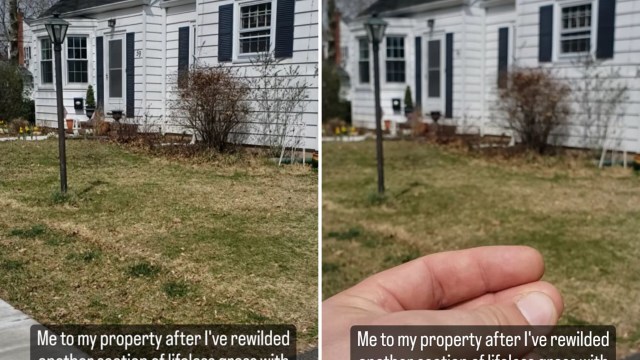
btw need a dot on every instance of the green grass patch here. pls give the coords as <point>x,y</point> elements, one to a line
<point>352,233</point>
<point>29,233</point>
<point>176,289</point>
<point>86,256</point>
<point>12,265</point>
<point>143,269</point>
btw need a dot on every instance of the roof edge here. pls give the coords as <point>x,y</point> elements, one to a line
<point>442,4</point>
<point>100,8</point>
<point>172,3</point>
<point>493,3</point>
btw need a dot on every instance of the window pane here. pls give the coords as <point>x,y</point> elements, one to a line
<point>255,41</point>
<point>395,71</point>
<point>433,68</point>
<point>364,72</point>
<point>575,36</point>
<point>255,32</point>
<point>364,49</point>
<point>434,54</point>
<point>47,71</point>
<point>77,71</point>
<point>115,83</point>
<point>46,49</point>
<point>434,83</point>
<point>395,65</point>
<point>77,65</point>
<point>255,16</point>
<point>115,54</point>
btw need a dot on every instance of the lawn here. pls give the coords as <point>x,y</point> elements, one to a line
<point>144,239</point>
<point>584,221</point>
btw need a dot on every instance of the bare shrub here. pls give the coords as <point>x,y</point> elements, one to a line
<point>280,94</point>
<point>600,97</point>
<point>534,103</point>
<point>212,103</point>
<point>150,128</point>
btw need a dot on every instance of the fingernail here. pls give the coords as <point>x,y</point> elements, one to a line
<point>537,308</point>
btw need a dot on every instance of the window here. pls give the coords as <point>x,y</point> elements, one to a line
<point>575,30</point>
<point>395,59</point>
<point>363,60</point>
<point>255,28</point>
<point>77,64</point>
<point>27,52</point>
<point>433,68</point>
<point>46,62</point>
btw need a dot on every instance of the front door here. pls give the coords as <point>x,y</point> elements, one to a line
<point>115,75</point>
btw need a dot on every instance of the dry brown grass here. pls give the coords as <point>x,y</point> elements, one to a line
<point>242,236</point>
<point>585,221</point>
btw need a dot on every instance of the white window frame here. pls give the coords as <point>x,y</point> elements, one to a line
<point>386,58</point>
<point>237,18</point>
<point>557,32</point>
<point>66,60</point>
<point>40,61</point>
<point>361,60</point>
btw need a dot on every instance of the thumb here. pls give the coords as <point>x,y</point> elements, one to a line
<point>535,308</point>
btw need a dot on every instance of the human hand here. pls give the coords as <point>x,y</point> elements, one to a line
<point>496,285</point>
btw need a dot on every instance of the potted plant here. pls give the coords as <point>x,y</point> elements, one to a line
<point>408,101</point>
<point>90,101</point>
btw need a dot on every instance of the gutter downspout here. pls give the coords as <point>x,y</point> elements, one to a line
<point>164,71</point>
<point>464,59</point>
<point>144,61</point>
<point>483,79</point>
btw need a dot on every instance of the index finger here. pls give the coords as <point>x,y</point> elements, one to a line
<point>442,280</point>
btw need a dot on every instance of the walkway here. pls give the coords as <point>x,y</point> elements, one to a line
<point>14,333</point>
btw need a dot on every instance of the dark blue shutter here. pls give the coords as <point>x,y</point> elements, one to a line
<point>503,56</point>
<point>545,33</point>
<point>183,54</point>
<point>606,28</point>
<point>448,92</point>
<point>418,71</point>
<point>284,28</point>
<point>100,71</point>
<point>225,33</point>
<point>130,75</point>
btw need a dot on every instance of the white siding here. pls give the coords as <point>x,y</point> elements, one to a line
<point>496,18</point>
<point>44,94</point>
<point>156,35</point>
<point>626,60</point>
<point>475,31</point>
<point>450,20</point>
<point>176,18</point>
<point>305,55</point>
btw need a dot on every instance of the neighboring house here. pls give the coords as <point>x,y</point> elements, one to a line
<point>131,51</point>
<point>335,35</point>
<point>23,54</point>
<point>451,52</point>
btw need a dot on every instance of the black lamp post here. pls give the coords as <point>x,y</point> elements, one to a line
<point>375,30</point>
<point>57,29</point>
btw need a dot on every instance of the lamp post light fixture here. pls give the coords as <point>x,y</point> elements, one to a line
<point>57,29</point>
<point>376,27</point>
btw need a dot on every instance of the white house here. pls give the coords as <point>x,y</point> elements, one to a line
<point>130,51</point>
<point>450,53</point>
